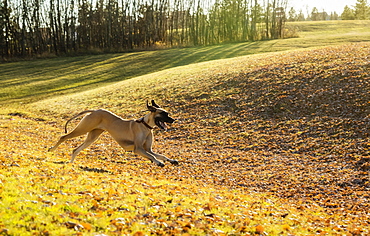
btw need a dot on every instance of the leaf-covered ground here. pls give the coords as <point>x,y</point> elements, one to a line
<point>108,194</point>
<point>294,125</point>
<point>297,127</point>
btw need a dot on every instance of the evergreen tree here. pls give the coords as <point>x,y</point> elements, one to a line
<point>348,14</point>
<point>362,11</point>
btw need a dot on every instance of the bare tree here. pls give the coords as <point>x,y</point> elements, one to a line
<point>34,27</point>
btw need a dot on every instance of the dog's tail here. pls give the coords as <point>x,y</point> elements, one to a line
<point>79,114</point>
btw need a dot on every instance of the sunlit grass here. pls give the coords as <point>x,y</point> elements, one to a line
<point>39,195</point>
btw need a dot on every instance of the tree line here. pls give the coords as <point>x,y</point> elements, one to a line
<point>61,27</point>
<point>360,11</point>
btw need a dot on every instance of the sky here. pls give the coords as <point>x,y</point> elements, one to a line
<point>328,5</point>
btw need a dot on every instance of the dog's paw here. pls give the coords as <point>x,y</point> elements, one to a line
<point>160,164</point>
<point>174,162</point>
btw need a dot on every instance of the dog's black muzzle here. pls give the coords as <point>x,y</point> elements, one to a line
<point>162,120</point>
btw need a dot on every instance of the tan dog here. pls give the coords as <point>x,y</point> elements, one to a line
<point>132,135</point>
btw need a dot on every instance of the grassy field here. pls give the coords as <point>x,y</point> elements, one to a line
<point>25,82</point>
<point>271,143</point>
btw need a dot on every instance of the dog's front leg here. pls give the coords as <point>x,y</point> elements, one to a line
<point>163,158</point>
<point>141,151</point>
<point>148,147</point>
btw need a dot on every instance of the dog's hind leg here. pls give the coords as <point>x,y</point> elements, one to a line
<point>73,134</point>
<point>62,139</point>
<point>91,137</point>
<point>84,126</point>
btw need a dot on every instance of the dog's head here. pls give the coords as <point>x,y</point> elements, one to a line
<point>161,116</point>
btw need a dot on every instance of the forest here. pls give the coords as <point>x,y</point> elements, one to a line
<point>42,28</point>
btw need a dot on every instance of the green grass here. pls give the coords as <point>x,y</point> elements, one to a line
<point>313,28</point>
<point>28,81</point>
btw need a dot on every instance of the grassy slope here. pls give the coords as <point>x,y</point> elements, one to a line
<point>242,112</point>
<point>268,123</point>
<point>24,82</point>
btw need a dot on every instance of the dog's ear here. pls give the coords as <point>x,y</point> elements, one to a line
<point>150,108</point>
<point>154,104</point>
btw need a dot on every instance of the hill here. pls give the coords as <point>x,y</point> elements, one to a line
<point>276,143</point>
<point>29,81</point>
<point>264,122</point>
<point>293,125</point>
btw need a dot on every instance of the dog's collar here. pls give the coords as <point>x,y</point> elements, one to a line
<point>141,120</point>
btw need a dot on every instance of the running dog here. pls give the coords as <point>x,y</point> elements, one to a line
<point>131,135</point>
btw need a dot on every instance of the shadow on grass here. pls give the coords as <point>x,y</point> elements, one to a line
<point>96,170</point>
<point>29,81</point>
<point>26,82</point>
<point>84,168</point>
<point>61,162</point>
<point>34,80</point>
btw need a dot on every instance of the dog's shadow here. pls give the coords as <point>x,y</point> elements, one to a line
<point>96,170</point>
<point>85,168</point>
<point>60,162</point>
